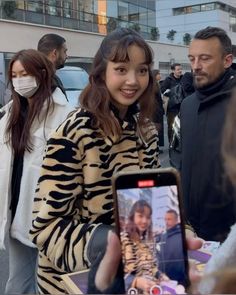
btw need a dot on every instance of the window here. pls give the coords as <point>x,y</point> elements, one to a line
<point>53,7</point>
<point>133,13</point>
<point>196,8</point>
<point>142,16</point>
<point>232,20</point>
<point>20,4</point>
<point>151,4</point>
<point>178,11</point>
<point>35,5</point>
<point>133,2</point>
<point>207,7</point>
<point>143,3</point>
<point>123,10</point>
<point>67,9</point>
<point>151,18</point>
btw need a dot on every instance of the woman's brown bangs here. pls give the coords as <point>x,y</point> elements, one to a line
<point>120,52</point>
<point>141,208</point>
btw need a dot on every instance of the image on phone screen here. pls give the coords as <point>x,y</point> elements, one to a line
<point>153,249</point>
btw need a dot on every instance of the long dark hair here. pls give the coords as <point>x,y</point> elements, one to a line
<point>96,97</point>
<point>131,228</point>
<point>18,128</point>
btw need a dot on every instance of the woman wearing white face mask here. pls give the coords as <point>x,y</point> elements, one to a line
<point>25,86</point>
<point>36,109</point>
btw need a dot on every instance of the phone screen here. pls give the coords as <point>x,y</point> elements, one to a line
<point>151,233</point>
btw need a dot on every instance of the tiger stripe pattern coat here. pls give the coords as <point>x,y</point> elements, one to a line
<point>74,193</point>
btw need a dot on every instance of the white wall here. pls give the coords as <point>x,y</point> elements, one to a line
<point>16,36</point>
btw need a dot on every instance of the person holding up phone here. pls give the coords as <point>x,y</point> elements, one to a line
<point>112,131</point>
<point>138,250</point>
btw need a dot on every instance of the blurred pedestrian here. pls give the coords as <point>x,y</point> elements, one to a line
<point>55,48</point>
<point>170,82</point>
<point>159,115</point>
<point>186,88</point>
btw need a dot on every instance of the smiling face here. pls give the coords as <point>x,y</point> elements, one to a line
<point>208,61</point>
<point>126,81</point>
<point>142,220</point>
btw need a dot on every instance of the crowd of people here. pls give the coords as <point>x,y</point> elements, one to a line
<point>57,162</point>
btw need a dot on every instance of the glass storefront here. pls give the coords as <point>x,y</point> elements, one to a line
<point>90,15</point>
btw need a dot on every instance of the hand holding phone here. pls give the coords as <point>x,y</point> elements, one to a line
<point>149,221</point>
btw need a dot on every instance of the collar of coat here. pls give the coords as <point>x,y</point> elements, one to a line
<point>222,86</point>
<point>59,97</point>
<point>130,122</point>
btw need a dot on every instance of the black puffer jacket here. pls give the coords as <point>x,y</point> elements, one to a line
<point>169,83</point>
<point>171,251</point>
<point>208,197</point>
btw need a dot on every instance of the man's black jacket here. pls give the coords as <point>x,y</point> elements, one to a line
<point>208,196</point>
<point>169,83</point>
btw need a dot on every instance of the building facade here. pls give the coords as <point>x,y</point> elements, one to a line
<point>83,23</point>
<point>186,17</point>
<point>98,16</point>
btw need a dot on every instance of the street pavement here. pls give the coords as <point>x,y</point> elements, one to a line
<point>164,160</point>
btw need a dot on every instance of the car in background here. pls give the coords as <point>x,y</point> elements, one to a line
<point>74,80</point>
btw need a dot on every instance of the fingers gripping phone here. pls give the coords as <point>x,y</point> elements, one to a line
<point>149,221</point>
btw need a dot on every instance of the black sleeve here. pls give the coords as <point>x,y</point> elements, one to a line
<point>96,250</point>
<point>187,83</point>
<point>165,85</point>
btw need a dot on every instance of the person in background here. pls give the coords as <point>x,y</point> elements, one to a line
<point>169,255</point>
<point>159,116</point>
<point>188,88</point>
<point>187,83</point>
<point>33,113</point>
<point>170,82</point>
<point>55,48</point>
<point>112,131</point>
<point>208,197</point>
<point>220,271</point>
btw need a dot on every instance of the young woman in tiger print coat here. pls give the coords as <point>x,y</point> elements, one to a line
<point>138,249</point>
<point>73,207</point>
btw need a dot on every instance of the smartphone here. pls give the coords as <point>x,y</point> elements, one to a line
<point>149,221</point>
